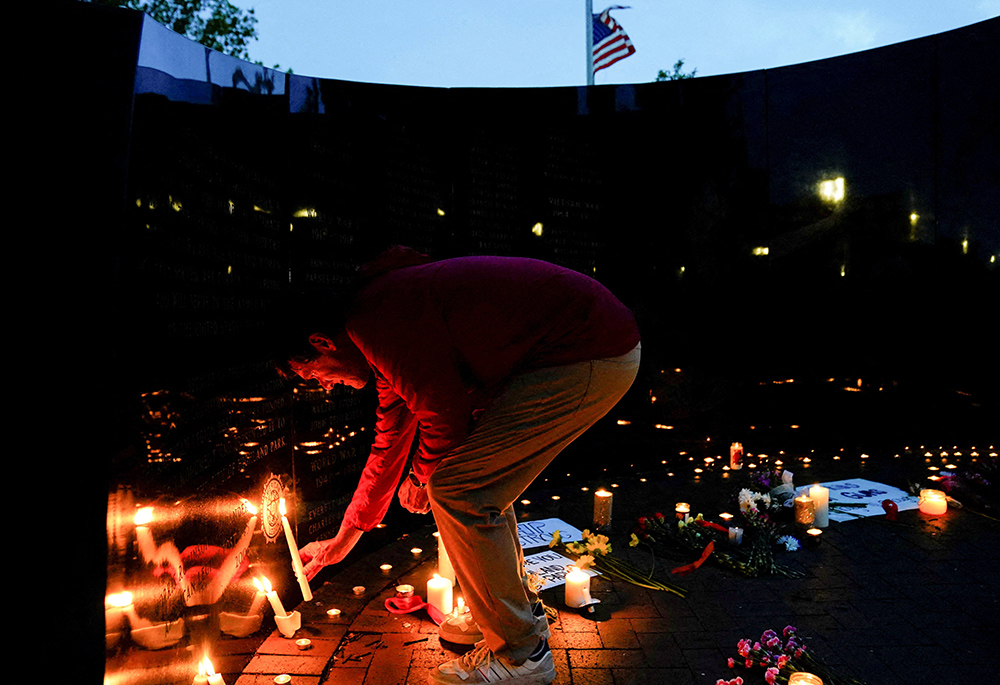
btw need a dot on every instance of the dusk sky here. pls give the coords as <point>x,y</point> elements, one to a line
<point>516,43</point>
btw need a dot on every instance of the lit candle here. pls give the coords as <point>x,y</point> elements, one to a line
<point>821,498</point>
<point>439,594</point>
<point>578,588</point>
<point>736,456</point>
<point>735,535</point>
<point>682,509</point>
<point>273,598</point>
<point>602,508</point>
<point>300,574</point>
<point>805,510</point>
<point>445,569</point>
<point>933,502</point>
<point>258,599</point>
<point>726,518</point>
<point>803,678</point>
<point>813,536</point>
<point>211,677</point>
<point>386,568</point>
<point>114,611</point>
<point>147,547</point>
<point>404,591</point>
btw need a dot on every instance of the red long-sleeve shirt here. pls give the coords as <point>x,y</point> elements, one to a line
<point>443,337</point>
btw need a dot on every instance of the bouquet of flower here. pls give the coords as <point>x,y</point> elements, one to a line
<point>595,550</point>
<point>696,534</point>
<point>780,656</point>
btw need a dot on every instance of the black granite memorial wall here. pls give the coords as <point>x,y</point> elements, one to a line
<point>711,206</point>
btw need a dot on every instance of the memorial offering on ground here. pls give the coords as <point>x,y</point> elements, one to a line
<point>548,569</point>
<point>858,498</point>
<point>784,657</point>
<point>539,533</point>
<point>598,547</point>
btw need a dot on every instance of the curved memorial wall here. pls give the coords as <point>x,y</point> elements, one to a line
<point>828,222</point>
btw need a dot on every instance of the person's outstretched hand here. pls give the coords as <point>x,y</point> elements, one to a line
<point>413,498</point>
<point>321,553</point>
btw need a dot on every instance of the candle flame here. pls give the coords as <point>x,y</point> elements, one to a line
<point>281,506</point>
<point>260,588</point>
<point>119,600</point>
<point>249,507</point>
<point>144,516</point>
<point>267,584</point>
<point>205,667</point>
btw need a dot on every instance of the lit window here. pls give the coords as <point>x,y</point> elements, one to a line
<point>832,190</point>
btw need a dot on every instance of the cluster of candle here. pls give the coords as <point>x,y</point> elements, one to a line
<point>813,510</point>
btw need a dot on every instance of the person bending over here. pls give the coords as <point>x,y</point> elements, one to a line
<point>486,368</point>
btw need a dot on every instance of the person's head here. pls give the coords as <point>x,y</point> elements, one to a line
<point>308,340</point>
<point>331,361</point>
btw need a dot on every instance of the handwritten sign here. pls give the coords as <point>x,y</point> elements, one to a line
<point>539,533</point>
<point>551,568</point>
<point>866,492</point>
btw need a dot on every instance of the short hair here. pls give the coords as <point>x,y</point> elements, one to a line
<point>297,314</point>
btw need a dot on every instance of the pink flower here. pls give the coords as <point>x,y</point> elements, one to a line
<point>783,660</point>
<point>789,630</point>
<point>748,663</point>
<point>743,648</point>
<point>732,662</point>
<point>774,642</point>
<point>799,652</point>
<point>756,646</point>
<point>770,675</point>
<point>768,634</point>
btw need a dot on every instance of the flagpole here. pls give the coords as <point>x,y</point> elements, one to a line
<point>589,26</point>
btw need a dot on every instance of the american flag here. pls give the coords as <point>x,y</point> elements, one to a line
<point>611,43</point>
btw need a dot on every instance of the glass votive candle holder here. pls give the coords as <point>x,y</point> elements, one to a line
<point>813,536</point>
<point>805,511</point>
<point>803,678</point>
<point>682,509</point>
<point>933,502</point>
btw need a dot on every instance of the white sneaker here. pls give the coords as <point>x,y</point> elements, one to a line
<point>481,666</point>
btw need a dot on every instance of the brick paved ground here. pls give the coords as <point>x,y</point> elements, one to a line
<point>911,601</point>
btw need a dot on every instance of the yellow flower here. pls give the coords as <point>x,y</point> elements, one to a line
<point>634,542</point>
<point>556,539</point>
<point>584,562</point>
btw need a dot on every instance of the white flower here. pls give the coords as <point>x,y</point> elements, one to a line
<point>791,544</point>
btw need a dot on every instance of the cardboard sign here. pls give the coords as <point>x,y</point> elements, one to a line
<point>551,567</point>
<point>539,533</point>
<point>869,493</point>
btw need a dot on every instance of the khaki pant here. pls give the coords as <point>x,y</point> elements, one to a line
<point>473,488</point>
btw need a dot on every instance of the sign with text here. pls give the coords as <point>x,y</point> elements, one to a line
<point>855,491</point>
<point>539,533</point>
<point>551,568</point>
